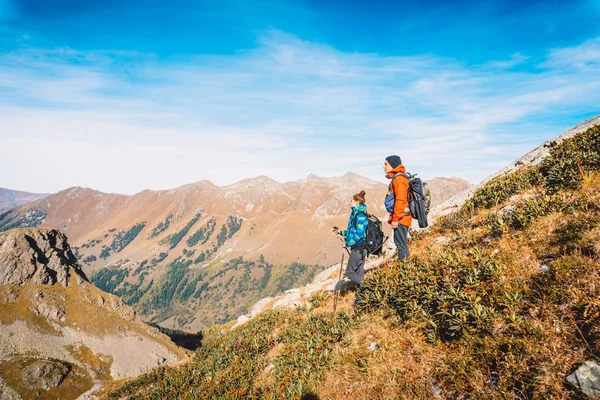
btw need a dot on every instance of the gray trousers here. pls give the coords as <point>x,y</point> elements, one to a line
<point>401,241</point>
<point>355,270</point>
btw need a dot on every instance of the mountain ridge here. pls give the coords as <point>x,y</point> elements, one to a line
<point>13,198</point>
<point>197,230</point>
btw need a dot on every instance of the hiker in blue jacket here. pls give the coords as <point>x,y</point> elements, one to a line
<point>355,237</point>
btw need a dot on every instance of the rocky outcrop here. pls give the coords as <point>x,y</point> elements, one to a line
<point>45,374</point>
<point>39,256</point>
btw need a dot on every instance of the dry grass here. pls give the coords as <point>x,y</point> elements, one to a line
<point>402,365</point>
<point>20,309</point>
<point>99,364</point>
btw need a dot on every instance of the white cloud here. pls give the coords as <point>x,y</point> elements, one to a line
<point>125,121</point>
<point>585,57</point>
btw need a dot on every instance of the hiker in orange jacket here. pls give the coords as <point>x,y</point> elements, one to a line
<point>397,203</point>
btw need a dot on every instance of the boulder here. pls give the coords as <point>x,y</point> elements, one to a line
<point>45,374</point>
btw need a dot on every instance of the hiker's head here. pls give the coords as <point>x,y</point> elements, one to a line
<point>358,198</point>
<point>391,162</point>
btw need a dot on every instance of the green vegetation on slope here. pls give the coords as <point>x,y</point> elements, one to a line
<point>506,309</point>
<point>31,219</point>
<point>122,240</point>
<point>161,227</point>
<point>203,234</point>
<point>220,292</point>
<point>299,348</point>
<point>174,239</point>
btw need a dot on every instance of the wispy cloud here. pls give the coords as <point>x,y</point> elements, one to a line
<point>126,121</point>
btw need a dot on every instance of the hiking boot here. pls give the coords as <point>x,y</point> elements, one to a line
<point>342,285</point>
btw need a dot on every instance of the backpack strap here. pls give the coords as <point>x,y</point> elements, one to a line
<point>406,175</point>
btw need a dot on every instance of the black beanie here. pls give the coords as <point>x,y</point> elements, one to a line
<point>394,161</point>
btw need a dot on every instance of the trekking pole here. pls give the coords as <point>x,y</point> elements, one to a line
<point>337,286</point>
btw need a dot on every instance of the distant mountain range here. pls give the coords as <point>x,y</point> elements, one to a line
<point>199,254</point>
<point>13,198</point>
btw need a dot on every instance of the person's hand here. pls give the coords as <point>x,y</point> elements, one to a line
<point>394,225</point>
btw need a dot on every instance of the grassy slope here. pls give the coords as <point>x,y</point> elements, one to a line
<point>507,308</point>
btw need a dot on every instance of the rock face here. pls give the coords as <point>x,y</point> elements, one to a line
<point>39,256</point>
<point>441,189</point>
<point>45,374</point>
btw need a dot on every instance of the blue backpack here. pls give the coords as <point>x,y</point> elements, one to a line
<point>417,198</point>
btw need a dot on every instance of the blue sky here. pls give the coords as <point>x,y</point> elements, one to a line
<point>154,95</point>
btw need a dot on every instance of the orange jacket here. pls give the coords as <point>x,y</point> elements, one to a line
<point>400,188</point>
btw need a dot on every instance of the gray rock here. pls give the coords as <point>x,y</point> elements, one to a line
<point>436,389</point>
<point>8,295</point>
<point>44,309</point>
<point>443,240</point>
<point>587,379</point>
<point>270,368</point>
<point>45,374</point>
<point>39,256</point>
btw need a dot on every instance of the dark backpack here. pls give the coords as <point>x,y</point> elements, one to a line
<point>418,198</point>
<point>373,243</point>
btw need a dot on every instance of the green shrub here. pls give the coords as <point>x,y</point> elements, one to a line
<point>227,366</point>
<point>451,292</point>
<point>501,188</point>
<point>89,259</point>
<point>570,159</point>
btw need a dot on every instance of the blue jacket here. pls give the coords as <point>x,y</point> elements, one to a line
<point>357,226</point>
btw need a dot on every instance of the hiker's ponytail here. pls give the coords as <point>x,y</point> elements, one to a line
<point>360,197</point>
